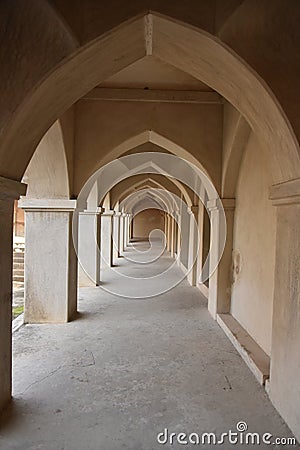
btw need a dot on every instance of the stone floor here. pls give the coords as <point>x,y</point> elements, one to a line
<point>18,295</point>
<point>128,368</point>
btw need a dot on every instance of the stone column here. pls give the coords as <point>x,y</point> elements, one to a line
<point>168,233</point>
<point>172,244</point>
<point>9,191</point>
<point>89,241</point>
<point>123,226</point>
<point>220,268</point>
<point>50,260</point>
<point>125,230</point>
<point>107,238</point>
<point>200,223</point>
<point>128,228</point>
<point>121,236</point>
<point>166,228</point>
<point>131,227</point>
<point>285,355</point>
<point>175,238</point>
<point>225,264</point>
<point>179,240</point>
<point>184,233</point>
<point>193,246</point>
<point>116,235</point>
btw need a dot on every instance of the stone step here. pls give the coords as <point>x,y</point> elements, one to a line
<point>18,278</point>
<point>18,259</point>
<point>253,355</point>
<point>18,273</point>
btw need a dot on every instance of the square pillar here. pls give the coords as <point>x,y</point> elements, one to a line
<point>184,237</point>
<point>9,191</point>
<point>50,260</point>
<point>220,267</point>
<point>193,246</point>
<point>131,227</point>
<point>172,245</point>
<point>285,355</point>
<point>125,239</point>
<point>179,239</point>
<point>200,224</point>
<point>126,229</point>
<point>116,235</point>
<point>106,239</point>
<point>89,234</point>
<point>225,265</point>
<point>169,233</point>
<point>121,235</point>
<point>175,237</point>
<point>166,228</point>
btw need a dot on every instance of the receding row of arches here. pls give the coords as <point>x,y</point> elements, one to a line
<point>97,155</point>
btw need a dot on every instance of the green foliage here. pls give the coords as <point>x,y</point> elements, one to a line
<point>17,310</point>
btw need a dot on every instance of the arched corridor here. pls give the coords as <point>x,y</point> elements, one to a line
<point>149,219</point>
<point>128,368</point>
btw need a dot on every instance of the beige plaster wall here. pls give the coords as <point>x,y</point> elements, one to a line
<point>101,126</point>
<point>236,133</point>
<point>44,46</point>
<point>67,122</point>
<point>254,247</point>
<point>19,220</point>
<point>146,221</point>
<point>47,172</point>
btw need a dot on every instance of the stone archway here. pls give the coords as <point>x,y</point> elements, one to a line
<point>179,44</point>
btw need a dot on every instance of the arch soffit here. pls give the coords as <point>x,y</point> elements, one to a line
<point>188,48</point>
<point>139,195</point>
<point>153,189</point>
<point>118,193</point>
<point>47,173</point>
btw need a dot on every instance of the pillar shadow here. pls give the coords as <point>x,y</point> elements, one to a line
<point>13,414</point>
<point>82,315</point>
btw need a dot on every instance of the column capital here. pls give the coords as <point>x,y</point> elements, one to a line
<point>217,203</point>
<point>228,203</point>
<point>193,209</point>
<point>51,204</point>
<point>213,204</point>
<point>92,212</point>
<point>117,214</point>
<point>11,189</point>
<point>108,213</point>
<point>286,193</point>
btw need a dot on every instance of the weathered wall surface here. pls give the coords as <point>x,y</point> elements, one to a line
<point>101,126</point>
<point>50,33</point>
<point>285,364</point>
<point>146,221</point>
<point>47,173</point>
<point>254,246</point>
<point>18,221</point>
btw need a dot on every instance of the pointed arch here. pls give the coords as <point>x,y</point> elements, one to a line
<point>121,190</point>
<point>47,172</point>
<point>190,49</point>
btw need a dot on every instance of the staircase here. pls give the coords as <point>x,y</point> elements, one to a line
<point>18,266</point>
